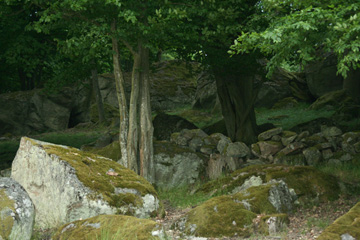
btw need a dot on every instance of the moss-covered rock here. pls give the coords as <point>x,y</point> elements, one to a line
<point>288,102</point>
<point>17,212</point>
<point>345,227</point>
<point>308,182</point>
<point>233,215</point>
<point>111,151</point>
<point>108,227</point>
<point>72,184</point>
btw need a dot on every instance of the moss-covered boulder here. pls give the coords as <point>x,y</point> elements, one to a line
<point>346,227</point>
<point>234,215</point>
<point>17,212</point>
<point>108,227</point>
<point>67,184</point>
<point>308,182</point>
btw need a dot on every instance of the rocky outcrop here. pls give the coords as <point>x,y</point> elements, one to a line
<point>345,228</point>
<point>36,111</point>
<point>109,227</point>
<point>17,212</point>
<point>172,85</point>
<point>235,215</point>
<point>67,184</point>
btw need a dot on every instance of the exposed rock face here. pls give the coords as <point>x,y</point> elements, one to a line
<point>17,212</point>
<point>35,111</point>
<point>67,184</point>
<point>345,228</point>
<point>109,227</point>
<point>172,86</point>
<point>176,166</point>
<point>206,92</point>
<point>165,125</point>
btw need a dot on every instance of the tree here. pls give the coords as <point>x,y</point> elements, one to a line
<point>128,24</point>
<point>204,30</point>
<point>305,31</point>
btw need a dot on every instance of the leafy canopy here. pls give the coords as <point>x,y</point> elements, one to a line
<point>301,32</point>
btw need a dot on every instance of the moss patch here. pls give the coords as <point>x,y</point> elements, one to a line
<point>91,170</point>
<point>107,227</point>
<point>348,223</point>
<point>220,216</point>
<point>111,151</point>
<point>6,220</point>
<point>308,182</point>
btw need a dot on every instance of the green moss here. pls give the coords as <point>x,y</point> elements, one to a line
<point>297,159</point>
<point>6,221</point>
<point>111,151</point>
<point>220,216</point>
<point>91,170</point>
<point>348,223</point>
<point>308,182</point>
<point>109,110</point>
<point>107,227</point>
<point>257,197</point>
<point>287,134</point>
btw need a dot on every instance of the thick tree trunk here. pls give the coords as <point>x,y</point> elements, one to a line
<point>237,104</point>
<point>120,92</point>
<point>146,128</point>
<point>98,98</point>
<point>352,84</point>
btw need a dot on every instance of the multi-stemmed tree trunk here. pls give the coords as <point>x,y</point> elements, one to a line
<point>136,129</point>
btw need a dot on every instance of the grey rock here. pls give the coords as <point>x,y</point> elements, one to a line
<point>222,144</point>
<point>269,134</point>
<point>172,170</point>
<point>5,172</point>
<point>250,162</point>
<point>327,153</point>
<point>16,209</point>
<point>287,140</point>
<point>275,225</point>
<point>312,156</point>
<point>331,131</point>
<point>334,162</point>
<point>237,149</point>
<point>281,197</point>
<point>49,176</point>
<point>347,236</point>
<point>253,181</point>
<point>196,143</point>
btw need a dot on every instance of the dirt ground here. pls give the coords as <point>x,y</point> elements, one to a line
<point>306,223</point>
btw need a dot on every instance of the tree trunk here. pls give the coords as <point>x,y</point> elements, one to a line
<point>237,98</point>
<point>133,138</point>
<point>146,128</point>
<point>352,84</point>
<point>120,92</point>
<point>98,98</point>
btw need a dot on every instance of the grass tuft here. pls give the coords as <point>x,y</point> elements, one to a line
<point>182,197</point>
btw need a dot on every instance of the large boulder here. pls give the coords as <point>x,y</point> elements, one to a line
<point>177,165</point>
<point>206,92</point>
<point>67,184</point>
<point>17,212</point>
<point>109,227</point>
<point>344,228</point>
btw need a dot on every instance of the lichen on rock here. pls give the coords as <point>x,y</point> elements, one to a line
<point>67,184</point>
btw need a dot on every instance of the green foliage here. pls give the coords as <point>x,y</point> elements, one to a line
<point>298,33</point>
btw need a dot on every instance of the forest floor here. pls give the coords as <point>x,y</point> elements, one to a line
<point>306,223</point>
